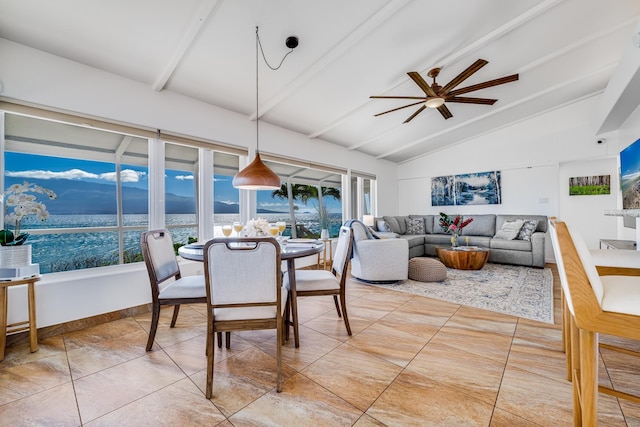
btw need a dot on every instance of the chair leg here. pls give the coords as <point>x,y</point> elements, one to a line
<point>227,337</point>
<point>335,300</point>
<point>155,317</point>
<point>589,377</point>
<point>219,335</point>
<point>287,313</point>
<point>567,322</point>
<point>176,309</point>
<point>343,302</point>
<point>574,344</point>
<point>210,360</point>
<point>279,344</point>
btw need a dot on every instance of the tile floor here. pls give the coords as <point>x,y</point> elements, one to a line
<point>412,361</point>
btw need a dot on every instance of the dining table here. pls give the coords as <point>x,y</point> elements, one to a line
<point>288,253</point>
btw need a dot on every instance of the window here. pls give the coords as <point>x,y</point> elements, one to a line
<point>181,172</point>
<point>100,179</point>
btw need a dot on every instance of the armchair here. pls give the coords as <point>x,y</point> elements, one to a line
<point>378,260</point>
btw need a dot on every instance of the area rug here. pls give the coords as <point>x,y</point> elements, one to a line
<point>509,289</point>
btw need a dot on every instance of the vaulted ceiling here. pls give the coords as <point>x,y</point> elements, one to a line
<point>563,50</point>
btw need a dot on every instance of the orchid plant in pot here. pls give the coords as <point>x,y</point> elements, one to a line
<point>18,205</point>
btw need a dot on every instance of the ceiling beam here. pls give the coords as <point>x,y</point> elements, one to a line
<point>193,29</point>
<point>333,54</point>
<point>443,62</point>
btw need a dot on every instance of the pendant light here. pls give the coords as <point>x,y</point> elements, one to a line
<point>257,175</point>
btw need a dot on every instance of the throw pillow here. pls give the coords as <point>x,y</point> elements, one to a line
<point>415,226</point>
<point>383,225</point>
<point>527,229</point>
<point>509,230</point>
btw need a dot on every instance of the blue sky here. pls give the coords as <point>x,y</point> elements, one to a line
<point>28,166</point>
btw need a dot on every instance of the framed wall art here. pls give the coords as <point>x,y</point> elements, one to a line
<point>481,188</point>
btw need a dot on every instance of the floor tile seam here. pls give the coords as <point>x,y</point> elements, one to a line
<point>330,392</point>
<point>72,381</point>
<point>506,363</point>
<point>146,353</point>
<point>131,401</point>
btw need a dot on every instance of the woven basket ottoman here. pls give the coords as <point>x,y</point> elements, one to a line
<point>425,269</point>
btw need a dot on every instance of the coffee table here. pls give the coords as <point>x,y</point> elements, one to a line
<point>465,258</point>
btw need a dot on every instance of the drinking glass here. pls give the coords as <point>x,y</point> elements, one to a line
<point>273,229</point>
<point>237,227</point>
<point>281,227</point>
<point>226,230</point>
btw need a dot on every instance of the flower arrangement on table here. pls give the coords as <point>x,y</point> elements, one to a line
<point>454,226</point>
<point>257,227</point>
<point>24,205</point>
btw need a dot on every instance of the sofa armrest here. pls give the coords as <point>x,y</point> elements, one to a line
<point>537,248</point>
<point>380,260</point>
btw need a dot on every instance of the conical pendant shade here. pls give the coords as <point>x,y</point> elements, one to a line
<point>256,176</point>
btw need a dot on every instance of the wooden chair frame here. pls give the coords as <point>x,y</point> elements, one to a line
<point>217,326</point>
<point>582,329</point>
<point>341,306</point>
<point>156,277</point>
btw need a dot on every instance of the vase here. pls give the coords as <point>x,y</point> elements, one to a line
<point>454,240</point>
<point>15,261</point>
<point>324,234</point>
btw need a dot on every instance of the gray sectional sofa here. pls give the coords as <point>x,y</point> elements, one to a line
<point>481,232</point>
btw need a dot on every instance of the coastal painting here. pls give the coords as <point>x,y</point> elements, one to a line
<point>590,185</point>
<point>480,188</point>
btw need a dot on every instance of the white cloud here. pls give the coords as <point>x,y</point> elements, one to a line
<point>126,175</point>
<point>183,177</point>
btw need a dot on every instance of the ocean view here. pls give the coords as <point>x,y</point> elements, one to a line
<point>70,251</point>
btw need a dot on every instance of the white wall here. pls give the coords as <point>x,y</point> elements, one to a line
<point>34,77</point>
<point>536,157</point>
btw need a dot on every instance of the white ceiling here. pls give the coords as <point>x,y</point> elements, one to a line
<point>564,51</point>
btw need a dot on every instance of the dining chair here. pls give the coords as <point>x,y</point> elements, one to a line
<point>244,292</point>
<point>322,282</point>
<point>168,287</point>
<point>598,305</point>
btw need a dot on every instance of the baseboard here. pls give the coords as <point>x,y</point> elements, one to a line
<point>76,325</point>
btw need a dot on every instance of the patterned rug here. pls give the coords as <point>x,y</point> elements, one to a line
<point>519,291</point>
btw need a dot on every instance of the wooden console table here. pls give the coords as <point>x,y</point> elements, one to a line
<point>464,259</point>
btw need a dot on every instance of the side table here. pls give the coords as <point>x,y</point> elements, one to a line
<point>323,258</point>
<point>19,326</point>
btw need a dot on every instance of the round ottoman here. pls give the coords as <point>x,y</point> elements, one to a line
<point>425,269</point>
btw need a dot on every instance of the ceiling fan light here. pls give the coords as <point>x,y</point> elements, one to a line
<point>256,176</point>
<point>434,102</point>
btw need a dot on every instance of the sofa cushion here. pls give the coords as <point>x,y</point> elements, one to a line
<point>542,220</point>
<point>509,230</point>
<point>413,239</point>
<point>512,245</point>
<point>482,225</point>
<point>428,222</point>
<point>527,229</point>
<point>397,224</point>
<point>415,226</point>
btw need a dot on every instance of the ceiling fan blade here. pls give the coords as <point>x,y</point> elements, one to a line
<point>399,108</point>
<point>484,85</point>
<point>467,100</point>
<point>445,111</point>
<point>416,77</point>
<point>399,97</point>
<point>418,111</point>
<point>463,76</point>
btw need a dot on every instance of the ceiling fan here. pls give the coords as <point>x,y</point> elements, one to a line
<point>437,96</point>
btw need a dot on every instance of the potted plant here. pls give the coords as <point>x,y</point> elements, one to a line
<point>454,226</point>
<point>20,202</point>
